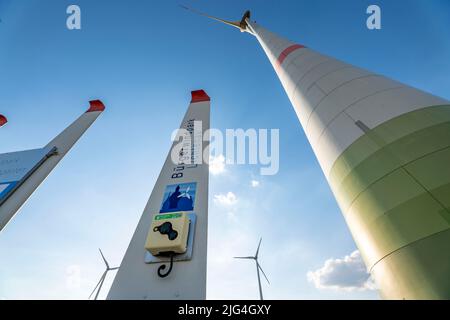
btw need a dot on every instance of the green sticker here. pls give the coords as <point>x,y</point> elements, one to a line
<point>168,216</point>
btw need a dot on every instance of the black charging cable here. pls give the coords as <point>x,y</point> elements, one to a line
<point>162,267</point>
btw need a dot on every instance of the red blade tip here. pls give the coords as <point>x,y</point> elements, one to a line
<point>3,120</point>
<point>96,105</point>
<point>199,96</point>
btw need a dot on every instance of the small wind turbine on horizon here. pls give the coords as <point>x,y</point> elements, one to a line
<point>102,278</point>
<point>258,268</point>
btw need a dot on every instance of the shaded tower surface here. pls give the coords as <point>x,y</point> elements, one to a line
<point>384,148</point>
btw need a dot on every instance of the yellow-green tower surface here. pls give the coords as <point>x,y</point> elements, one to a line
<point>385,150</point>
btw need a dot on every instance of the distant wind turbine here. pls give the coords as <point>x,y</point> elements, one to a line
<point>102,278</point>
<point>258,268</point>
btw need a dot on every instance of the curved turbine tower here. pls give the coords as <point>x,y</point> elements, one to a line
<point>384,148</point>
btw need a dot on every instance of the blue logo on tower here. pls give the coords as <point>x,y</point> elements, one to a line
<point>179,197</point>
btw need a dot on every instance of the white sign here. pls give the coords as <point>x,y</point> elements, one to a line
<point>14,166</point>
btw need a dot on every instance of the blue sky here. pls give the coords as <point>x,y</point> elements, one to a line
<point>142,58</point>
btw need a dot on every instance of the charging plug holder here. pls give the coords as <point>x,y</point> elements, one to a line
<point>170,257</point>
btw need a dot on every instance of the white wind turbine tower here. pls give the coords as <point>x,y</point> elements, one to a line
<point>258,268</point>
<point>102,278</point>
<point>379,146</point>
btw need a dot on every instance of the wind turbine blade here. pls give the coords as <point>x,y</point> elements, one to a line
<point>230,23</point>
<point>98,283</point>
<point>106,262</point>
<point>264,274</point>
<point>257,250</point>
<point>244,257</point>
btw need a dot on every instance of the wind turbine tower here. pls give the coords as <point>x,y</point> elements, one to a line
<point>258,268</point>
<point>384,148</point>
<point>154,268</point>
<point>103,277</point>
<point>22,172</point>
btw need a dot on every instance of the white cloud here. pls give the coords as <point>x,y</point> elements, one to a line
<point>217,164</point>
<point>228,199</point>
<point>254,183</point>
<point>348,273</point>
